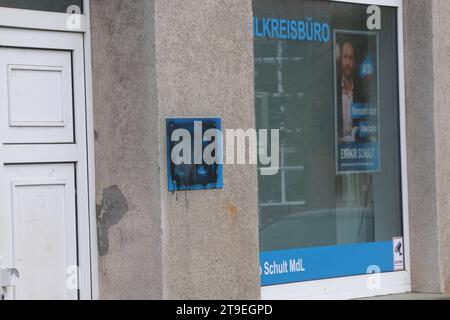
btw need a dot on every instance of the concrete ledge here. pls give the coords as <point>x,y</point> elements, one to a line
<point>412,296</point>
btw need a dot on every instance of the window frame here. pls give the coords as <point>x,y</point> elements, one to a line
<point>42,20</point>
<point>359,286</point>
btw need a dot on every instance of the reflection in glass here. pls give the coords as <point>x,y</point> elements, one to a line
<point>309,203</point>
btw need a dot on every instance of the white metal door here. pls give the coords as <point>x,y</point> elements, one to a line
<point>43,164</point>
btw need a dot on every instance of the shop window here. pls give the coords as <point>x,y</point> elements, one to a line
<point>326,76</point>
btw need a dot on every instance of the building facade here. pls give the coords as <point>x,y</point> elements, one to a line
<point>351,96</point>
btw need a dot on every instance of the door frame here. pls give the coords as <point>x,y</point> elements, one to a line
<point>87,232</point>
<point>356,286</point>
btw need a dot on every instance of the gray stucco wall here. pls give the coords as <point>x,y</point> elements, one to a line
<point>427,62</point>
<point>127,149</point>
<point>159,59</point>
<point>441,57</point>
<point>204,52</point>
<point>421,148</point>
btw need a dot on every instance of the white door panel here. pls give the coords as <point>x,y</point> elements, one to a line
<point>37,104</point>
<point>42,236</point>
<point>44,209</point>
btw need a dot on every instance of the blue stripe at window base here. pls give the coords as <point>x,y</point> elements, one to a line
<point>300,265</point>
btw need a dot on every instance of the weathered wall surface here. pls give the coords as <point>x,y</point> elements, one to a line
<point>159,59</point>
<point>127,149</point>
<point>427,61</point>
<point>441,58</point>
<point>421,148</point>
<point>204,53</point>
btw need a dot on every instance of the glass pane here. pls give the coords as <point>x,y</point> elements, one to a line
<point>330,85</point>
<point>42,5</point>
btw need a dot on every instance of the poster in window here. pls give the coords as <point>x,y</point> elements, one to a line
<point>356,102</point>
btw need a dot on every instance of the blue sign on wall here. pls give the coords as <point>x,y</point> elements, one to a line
<point>194,153</point>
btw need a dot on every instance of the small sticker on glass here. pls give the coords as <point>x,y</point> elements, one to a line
<point>399,254</point>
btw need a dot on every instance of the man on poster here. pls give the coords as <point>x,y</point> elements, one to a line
<point>356,102</point>
<point>349,92</point>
